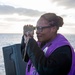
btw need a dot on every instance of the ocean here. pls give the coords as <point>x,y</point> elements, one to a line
<point>10,39</point>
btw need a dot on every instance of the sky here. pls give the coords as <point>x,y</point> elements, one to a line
<point>14,14</point>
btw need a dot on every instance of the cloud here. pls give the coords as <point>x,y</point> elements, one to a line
<point>18,19</point>
<point>66,3</point>
<point>64,15</point>
<point>5,9</point>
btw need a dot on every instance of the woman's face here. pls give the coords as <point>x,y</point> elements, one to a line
<point>44,31</point>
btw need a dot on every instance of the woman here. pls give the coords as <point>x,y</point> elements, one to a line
<point>52,54</point>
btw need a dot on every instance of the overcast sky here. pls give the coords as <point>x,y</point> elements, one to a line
<point>14,14</point>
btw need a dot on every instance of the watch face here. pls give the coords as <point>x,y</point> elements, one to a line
<point>28,28</point>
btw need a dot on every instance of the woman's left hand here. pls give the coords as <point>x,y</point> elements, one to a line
<point>28,32</point>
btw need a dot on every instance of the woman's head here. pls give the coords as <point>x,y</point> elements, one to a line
<point>53,19</point>
<point>47,26</point>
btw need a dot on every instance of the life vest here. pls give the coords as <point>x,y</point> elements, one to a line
<point>48,49</point>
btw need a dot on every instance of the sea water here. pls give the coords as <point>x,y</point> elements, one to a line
<point>10,39</point>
